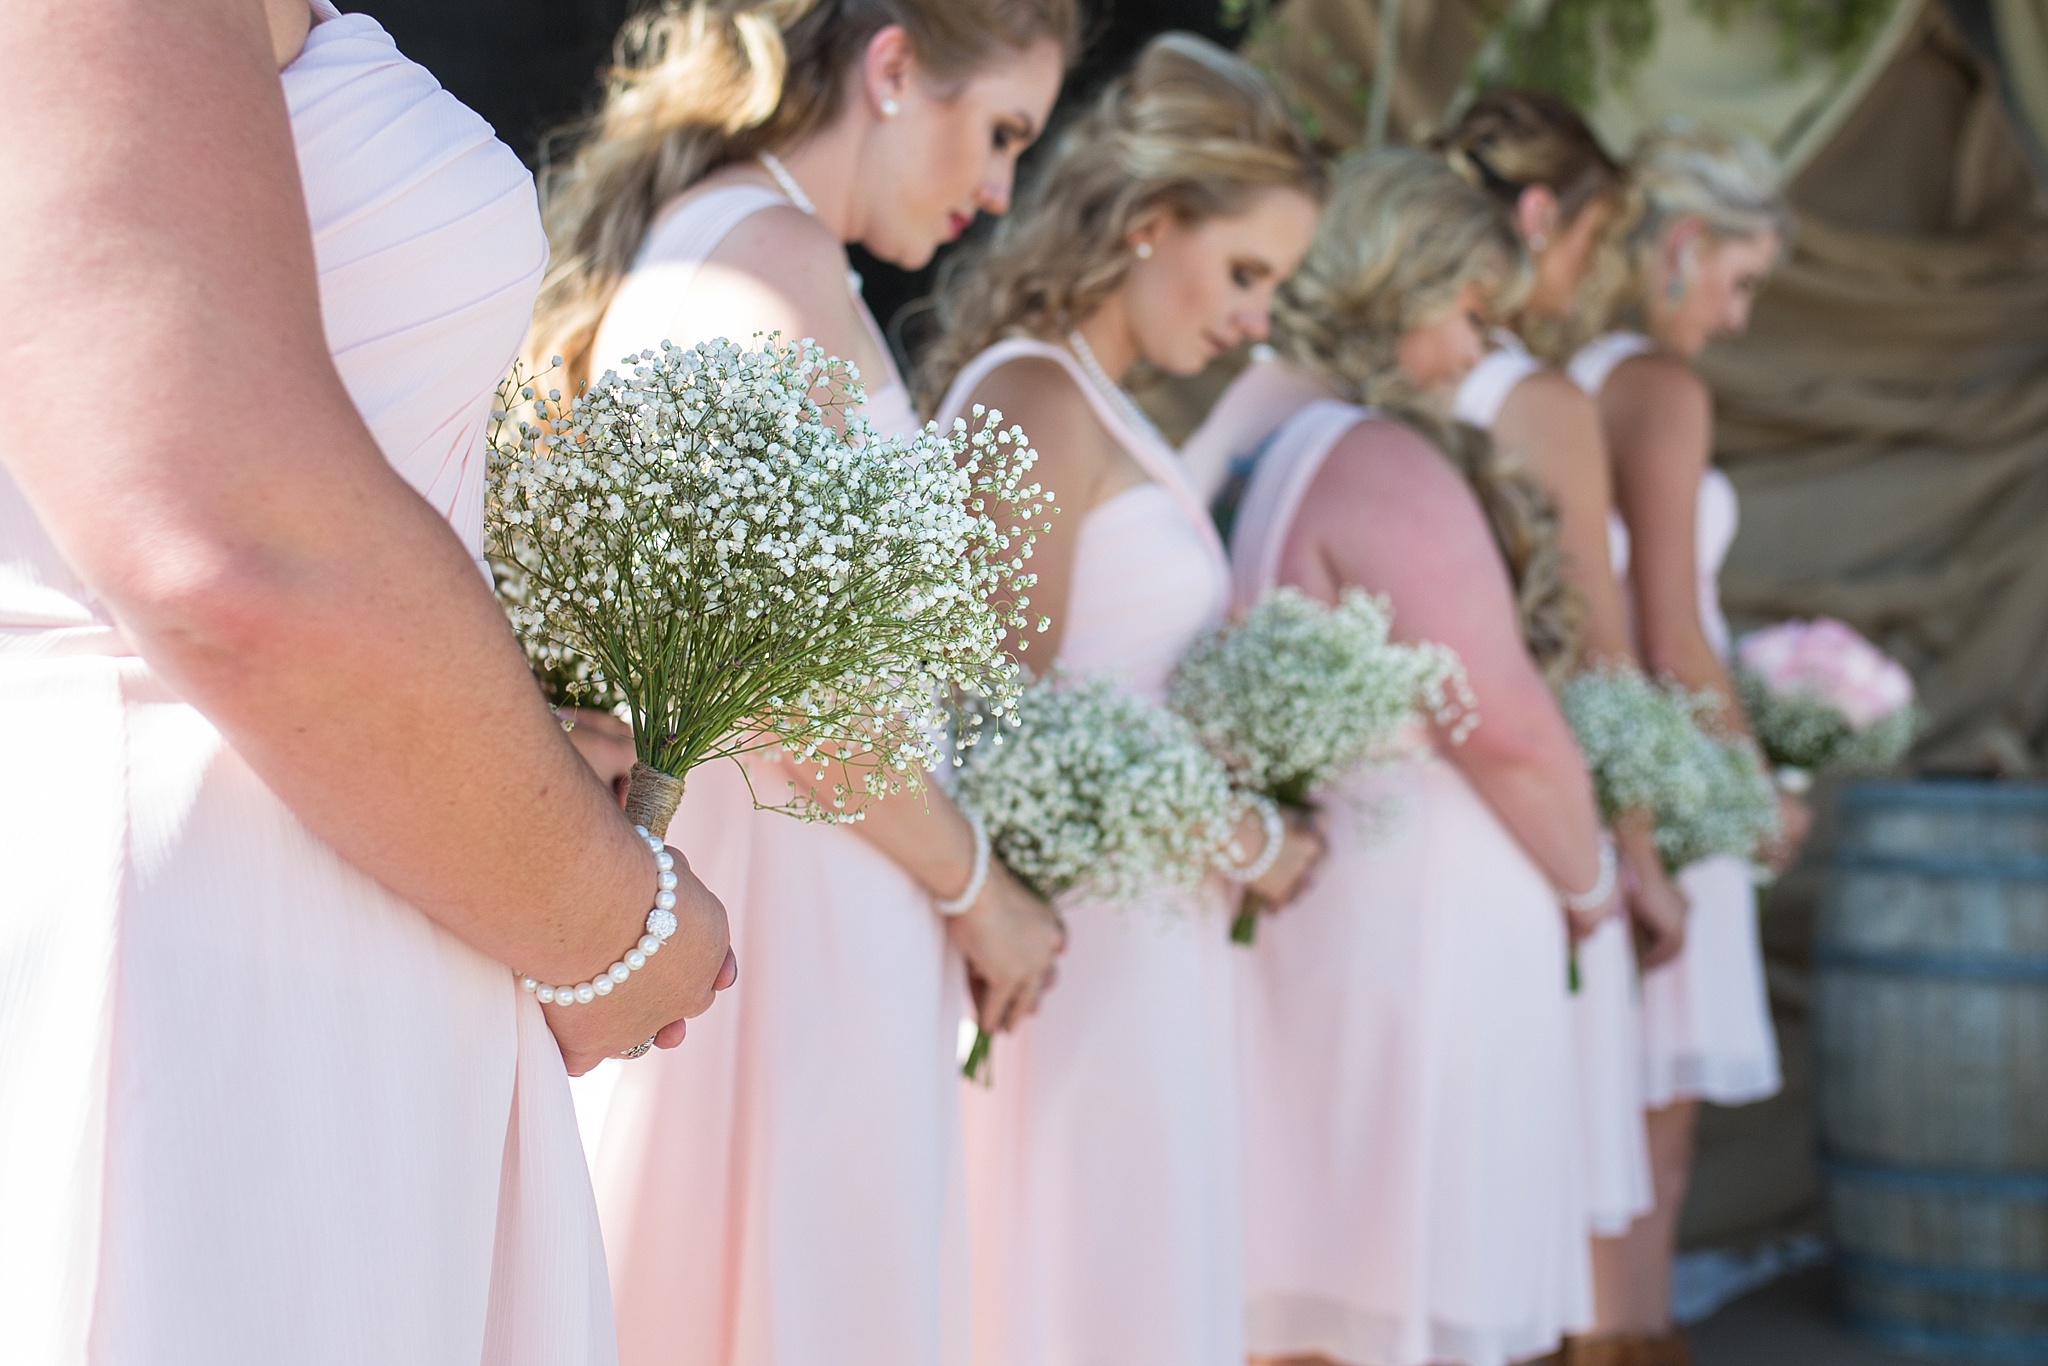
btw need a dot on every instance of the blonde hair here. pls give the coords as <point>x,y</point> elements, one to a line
<point>1402,237</point>
<point>1727,180</point>
<point>1191,129</point>
<point>696,84</point>
<point>1510,140</point>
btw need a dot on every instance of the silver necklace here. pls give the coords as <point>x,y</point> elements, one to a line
<point>773,165</point>
<point>1118,396</point>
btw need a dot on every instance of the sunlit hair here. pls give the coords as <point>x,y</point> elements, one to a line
<point>1727,180</point>
<point>1402,237</point>
<point>697,84</point>
<point>1510,140</point>
<point>1192,130</point>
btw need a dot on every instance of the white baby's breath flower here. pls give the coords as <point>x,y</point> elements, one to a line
<point>1298,692</point>
<point>718,537</point>
<point>1089,789</point>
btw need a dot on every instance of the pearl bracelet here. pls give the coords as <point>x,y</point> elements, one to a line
<point>1594,897</point>
<point>1276,835</point>
<point>976,879</point>
<point>661,923</point>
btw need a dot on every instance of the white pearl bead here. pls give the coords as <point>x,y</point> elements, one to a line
<point>601,986</point>
<point>618,972</point>
<point>635,959</point>
<point>665,900</point>
<point>641,831</point>
<point>546,994</point>
<point>666,881</point>
<point>664,860</point>
<point>649,944</point>
<point>585,994</point>
<point>528,984</point>
<point>654,846</point>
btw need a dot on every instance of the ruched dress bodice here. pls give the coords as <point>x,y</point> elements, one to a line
<point>255,1108</point>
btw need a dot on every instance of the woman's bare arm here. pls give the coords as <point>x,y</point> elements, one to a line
<point>1659,419</point>
<point>1387,513</point>
<point>186,441</point>
<point>1552,428</point>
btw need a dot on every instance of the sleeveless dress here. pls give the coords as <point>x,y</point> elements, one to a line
<point>1606,1014</point>
<point>254,1108</point>
<point>785,1189</point>
<point>1411,1134</point>
<point>1103,1160</point>
<point>1707,1032</point>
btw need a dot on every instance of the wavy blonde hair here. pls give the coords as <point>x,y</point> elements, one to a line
<point>1191,129</point>
<point>1728,180</point>
<point>1510,140</point>
<point>696,84</point>
<point>1401,239</point>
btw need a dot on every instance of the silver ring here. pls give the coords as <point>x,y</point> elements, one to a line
<point>638,1050</point>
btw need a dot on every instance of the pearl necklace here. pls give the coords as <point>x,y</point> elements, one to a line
<point>1118,396</point>
<point>773,165</point>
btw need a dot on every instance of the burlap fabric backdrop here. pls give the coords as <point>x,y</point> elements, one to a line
<point>1885,420</point>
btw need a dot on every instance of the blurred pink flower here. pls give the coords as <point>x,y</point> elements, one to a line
<point>1826,659</point>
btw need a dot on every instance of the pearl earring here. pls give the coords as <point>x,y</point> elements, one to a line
<point>890,109</point>
<point>1143,251</point>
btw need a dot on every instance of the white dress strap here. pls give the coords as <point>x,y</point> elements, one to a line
<point>1293,456</point>
<point>1158,460</point>
<point>1487,386</point>
<point>1596,360</point>
<point>323,10</point>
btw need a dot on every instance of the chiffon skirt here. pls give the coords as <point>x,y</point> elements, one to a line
<point>1607,1049</point>
<point>1412,1123</point>
<point>785,1189</point>
<point>1707,1032</point>
<point>253,1107</point>
<point>1103,1160</point>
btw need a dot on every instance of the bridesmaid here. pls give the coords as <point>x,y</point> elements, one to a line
<point>1714,223</point>
<point>1540,162</point>
<point>291,804</point>
<point>1411,1140</point>
<point>788,1190</point>
<point>1104,1187</point>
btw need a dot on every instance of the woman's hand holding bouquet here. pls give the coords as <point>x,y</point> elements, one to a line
<point>1296,694</point>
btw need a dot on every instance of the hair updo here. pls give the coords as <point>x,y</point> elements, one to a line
<point>696,84</point>
<point>1727,180</point>
<point>1511,140</point>
<point>1192,129</point>
<point>1402,237</point>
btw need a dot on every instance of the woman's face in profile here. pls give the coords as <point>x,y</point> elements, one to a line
<point>1205,286</point>
<point>1440,350</point>
<point>951,151</point>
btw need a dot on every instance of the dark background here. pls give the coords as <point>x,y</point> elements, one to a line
<point>529,66</point>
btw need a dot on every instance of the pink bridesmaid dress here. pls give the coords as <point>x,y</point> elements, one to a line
<point>785,1189</point>
<point>1103,1161</point>
<point>1606,1012</point>
<point>1707,1032</point>
<point>1411,1127</point>
<point>253,1107</point>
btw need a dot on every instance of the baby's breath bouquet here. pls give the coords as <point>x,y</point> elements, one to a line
<point>1646,748</point>
<point>1297,693</point>
<point>720,540</point>
<point>1085,788</point>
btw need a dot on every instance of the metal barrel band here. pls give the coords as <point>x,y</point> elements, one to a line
<point>2020,1185</point>
<point>2018,969</point>
<point>1983,1283</point>
<point>1945,867</point>
<point>1935,794</point>
<point>1951,1344</point>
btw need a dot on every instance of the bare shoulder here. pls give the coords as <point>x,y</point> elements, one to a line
<point>1392,469</point>
<point>1551,427</point>
<point>1655,383</point>
<point>1040,394</point>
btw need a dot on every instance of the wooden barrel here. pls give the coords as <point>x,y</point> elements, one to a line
<point>1931,1026</point>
